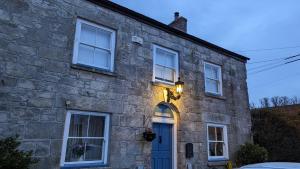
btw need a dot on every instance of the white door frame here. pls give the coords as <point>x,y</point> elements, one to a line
<point>174,138</point>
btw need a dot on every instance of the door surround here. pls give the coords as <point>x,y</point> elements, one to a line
<point>174,133</point>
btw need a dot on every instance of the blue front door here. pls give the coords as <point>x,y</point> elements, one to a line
<point>162,146</point>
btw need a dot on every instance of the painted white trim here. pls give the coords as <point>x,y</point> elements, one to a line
<point>220,84</point>
<point>174,132</point>
<point>225,148</point>
<point>64,145</point>
<point>77,42</point>
<point>154,47</point>
<point>66,136</point>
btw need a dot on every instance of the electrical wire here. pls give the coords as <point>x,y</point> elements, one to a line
<point>264,65</point>
<point>290,57</point>
<point>276,81</point>
<point>265,69</point>
<point>271,60</point>
<point>292,61</point>
<point>268,49</point>
<point>263,61</point>
<point>273,67</point>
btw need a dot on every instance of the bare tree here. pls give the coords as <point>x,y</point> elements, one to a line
<point>275,101</point>
<point>294,100</point>
<point>264,102</point>
<point>252,105</point>
<point>283,101</point>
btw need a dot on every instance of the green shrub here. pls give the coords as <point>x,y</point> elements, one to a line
<point>251,153</point>
<point>278,130</point>
<point>13,158</point>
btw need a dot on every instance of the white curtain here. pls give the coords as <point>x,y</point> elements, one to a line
<point>89,133</point>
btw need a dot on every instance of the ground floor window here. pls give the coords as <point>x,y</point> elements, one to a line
<point>85,138</point>
<point>217,142</point>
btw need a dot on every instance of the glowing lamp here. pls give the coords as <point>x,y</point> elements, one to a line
<point>168,94</point>
<point>179,86</point>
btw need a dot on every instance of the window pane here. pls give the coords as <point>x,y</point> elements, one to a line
<point>219,133</point>
<point>102,58</point>
<point>88,34</point>
<point>159,72</point>
<point>96,127</point>
<point>165,58</point>
<point>94,148</point>
<point>212,150</point>
<point>216,149</point>
<point>164,109</point>
<point>103,39</point>
<point>75,150</point>
<point>84,150</point>
<point>211,72</point>
<point>164,73</point>
<point>211,133</point>
<point>212,86</point>
<point>85,54</point>
<point>169,74</point>
<point>78,125</point>
<point>219,149</point>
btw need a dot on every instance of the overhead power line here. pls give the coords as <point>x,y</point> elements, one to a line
<point>261,85</point>
<point>276,59</point>
<point>273,67</point>
<point>268,49</point>
<point>265,69</point>
<point>292,61</point>
<point>292,57</point>
<point>270,60</point>
<point>264,65</point>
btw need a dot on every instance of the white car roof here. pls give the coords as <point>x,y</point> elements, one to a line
<point>273,165</point>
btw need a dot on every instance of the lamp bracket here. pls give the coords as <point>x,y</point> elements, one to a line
<point>170,95</point>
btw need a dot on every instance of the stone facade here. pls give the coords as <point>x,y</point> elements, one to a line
<point>37,78</point>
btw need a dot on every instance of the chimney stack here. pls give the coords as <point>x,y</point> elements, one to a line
<point>179,23</point>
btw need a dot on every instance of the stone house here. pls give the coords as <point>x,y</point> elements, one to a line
<point>82,80</point>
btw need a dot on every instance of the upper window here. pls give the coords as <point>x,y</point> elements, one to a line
<point>213,78</point>
<point>85,138</point>
<point>165,64</point>
<point>94,45</point>
<point>217,142</point>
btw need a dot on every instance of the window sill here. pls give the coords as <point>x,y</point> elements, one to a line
<point>216,96</point>
<point>163,84</point>
<point>93,69</point>
<point>217,162</point>
<point>79,166</point>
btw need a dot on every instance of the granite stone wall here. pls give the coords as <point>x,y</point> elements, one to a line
<point>37,78</point>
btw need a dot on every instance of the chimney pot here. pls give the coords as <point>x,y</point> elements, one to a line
<point>179,23</point>
<point>176,15</point>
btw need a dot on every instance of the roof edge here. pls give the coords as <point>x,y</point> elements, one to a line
<point>149,21</point>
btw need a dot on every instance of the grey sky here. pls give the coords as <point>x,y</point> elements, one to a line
<point>240,25</point>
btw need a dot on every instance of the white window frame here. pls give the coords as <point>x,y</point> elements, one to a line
<point>154,63</point>
<point>225,147</point>
<point>66,136</point>
<point>220,85</point>
<point>79,22</point>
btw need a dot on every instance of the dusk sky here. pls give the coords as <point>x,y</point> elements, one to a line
<point>259,29</point>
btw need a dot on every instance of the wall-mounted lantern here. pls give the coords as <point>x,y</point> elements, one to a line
<point>168,94</point>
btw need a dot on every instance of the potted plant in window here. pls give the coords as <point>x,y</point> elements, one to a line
<point>78,150</point>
